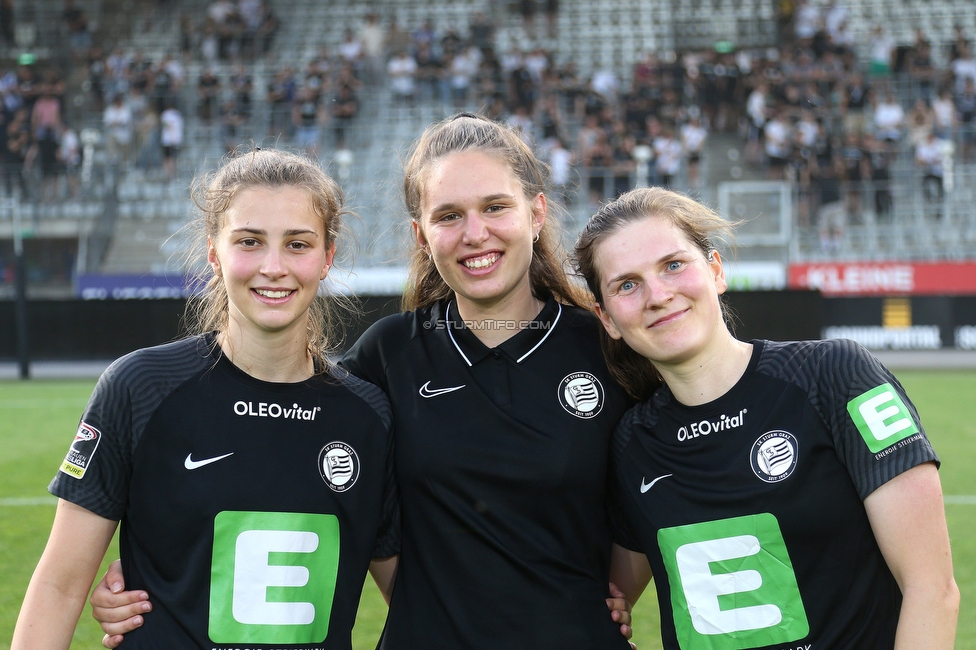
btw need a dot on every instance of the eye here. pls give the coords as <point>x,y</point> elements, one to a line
<point>298,245</point>
<point>249,242</point>
<point>674,265</point>
<point>627,286</point>
<point>450,216</point>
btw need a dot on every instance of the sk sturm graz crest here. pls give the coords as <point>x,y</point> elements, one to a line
<point>581,394</point>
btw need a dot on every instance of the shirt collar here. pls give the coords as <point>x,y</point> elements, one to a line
<point>518,347</point>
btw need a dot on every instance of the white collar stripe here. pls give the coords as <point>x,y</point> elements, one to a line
<point>447,321</point>
<point>552,326</point>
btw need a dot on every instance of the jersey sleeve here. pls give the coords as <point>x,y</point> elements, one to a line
<point>369,357</point>
<point>876,428</point>
<point>95,472</point>
<point>97,469</point>
<point>388,535</point>
<point>621,529</point>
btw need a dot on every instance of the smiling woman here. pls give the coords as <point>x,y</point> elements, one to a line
<point>502,409</point>
<point>479,227</point>
<point>229,413</point>
<point>271,270</point>
<point>240,204</point>
<point>783,493</point>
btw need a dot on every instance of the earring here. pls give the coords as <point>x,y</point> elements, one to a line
<point>536,239</point>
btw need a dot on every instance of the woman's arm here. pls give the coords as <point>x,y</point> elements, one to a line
<point>907,516</point>
<point>119,612</point>
<point>384,571</point>
<point>58,589</point>
<point>630,572</point>
<point>629,575</point>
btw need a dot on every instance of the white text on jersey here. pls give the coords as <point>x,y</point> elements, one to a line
<point>706,427</point>
<point>272,410</point>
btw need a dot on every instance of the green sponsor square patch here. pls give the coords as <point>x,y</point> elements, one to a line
<point>732,584</point>
<point>881,417</point>
<point>273,577</point>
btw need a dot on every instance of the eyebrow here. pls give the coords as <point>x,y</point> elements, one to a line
<point>484,199</point>
<point>288,233</point>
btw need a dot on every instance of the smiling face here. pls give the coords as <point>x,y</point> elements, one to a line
<point>271,253</point>
<point>478,226</point>
<point>659,293</point>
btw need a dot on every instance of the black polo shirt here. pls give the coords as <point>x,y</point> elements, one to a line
<point>501,456</point>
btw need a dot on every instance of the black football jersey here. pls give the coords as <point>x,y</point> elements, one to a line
<point>249,510</point>
<point>750,508</point>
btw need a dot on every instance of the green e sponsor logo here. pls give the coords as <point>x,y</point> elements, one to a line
<point>881,417</point>
<point>732,584</point>
<point>273,577</point>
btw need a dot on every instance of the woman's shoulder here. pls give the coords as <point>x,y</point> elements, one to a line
<point>834,362</point>
<point>370,394</point>
<point>187,354</point>
<point>138,382</point>
<point>813,351</point>
<point>642,416</point>
<point>395,329</point>
<point>581,320</point>
<point>382,341</point>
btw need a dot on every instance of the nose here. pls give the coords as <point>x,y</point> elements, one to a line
<point>271,265</point>
<point>659,292</point>
<point>475,229</point>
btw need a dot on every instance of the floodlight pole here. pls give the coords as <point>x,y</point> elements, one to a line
<point>20,292</point>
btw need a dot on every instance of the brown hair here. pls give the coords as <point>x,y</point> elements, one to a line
<point>468,132</point>
<point>213,193</point>
<point>701,224</point>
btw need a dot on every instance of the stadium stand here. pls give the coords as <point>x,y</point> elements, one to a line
<point>638,68</point>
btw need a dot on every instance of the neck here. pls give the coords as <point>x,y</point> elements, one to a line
<point>273,359</point>
<point>710,374</point>
<point>520,309</point>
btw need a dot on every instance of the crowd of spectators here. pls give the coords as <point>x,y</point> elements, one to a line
<point>141,103</point>
<point>810,111</point>
<point>814,113</point>
<point>35,136</point>
<point>838,127</point>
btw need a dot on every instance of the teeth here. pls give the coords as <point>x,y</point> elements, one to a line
<point>272,294</point>
<point>480,262</point>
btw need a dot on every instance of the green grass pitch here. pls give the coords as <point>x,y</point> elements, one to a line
<point>38,420</point>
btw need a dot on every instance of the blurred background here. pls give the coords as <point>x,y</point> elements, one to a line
<point>842,133</point>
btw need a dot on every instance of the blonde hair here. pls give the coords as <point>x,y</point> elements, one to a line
<point>701,224</point>
<point>213,194</point>
<point>468,132</point>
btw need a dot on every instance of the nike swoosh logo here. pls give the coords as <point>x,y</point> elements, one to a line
<point>647,486</point>
<point>189,463</point>
<point>434,392</point>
